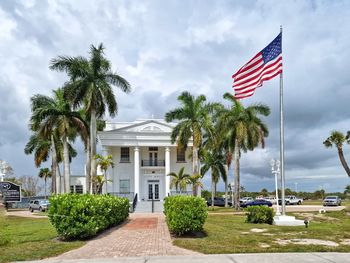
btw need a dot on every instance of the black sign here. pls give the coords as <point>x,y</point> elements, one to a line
<point>11,192</point>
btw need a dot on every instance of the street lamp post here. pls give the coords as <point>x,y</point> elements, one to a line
<point>275,169</point>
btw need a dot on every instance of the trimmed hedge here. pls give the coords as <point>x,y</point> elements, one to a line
<point>260,215</point>
<point>185,213</point>
<point>77,216</point>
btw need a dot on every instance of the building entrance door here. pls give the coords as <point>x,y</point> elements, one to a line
<point>153,189</point>
<point>153,157</point>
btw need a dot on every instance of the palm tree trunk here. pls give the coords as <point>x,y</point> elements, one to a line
<point>59,179</point>
<point>212,191</point>
<point>66,165</point>
<point>45,188</point>
<point>93,143</point>
<point>343,161</point>
<point>226,198</point>
<point>53,166</point>
<point>105,172</point>
<point>88,167</point>
<point>236,160</point>
<point>195,163</point>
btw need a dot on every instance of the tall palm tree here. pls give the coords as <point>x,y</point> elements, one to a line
<point>337,139</point>
<point>90,84</point>
<point>45,173</point>
<point>194,117</point>
<point>179,180</point>
<point>104,162</point>
<point>244,130</point>
<point>214,160</point>
<point>195,181</point>
<point>55,114</point>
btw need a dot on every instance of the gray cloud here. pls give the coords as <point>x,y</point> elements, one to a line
<point>163,48</point>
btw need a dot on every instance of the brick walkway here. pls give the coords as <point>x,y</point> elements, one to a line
<point>141,235</point>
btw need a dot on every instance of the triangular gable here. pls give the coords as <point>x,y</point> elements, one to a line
<point>146,126</point>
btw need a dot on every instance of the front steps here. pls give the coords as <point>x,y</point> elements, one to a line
<point>146,207</point>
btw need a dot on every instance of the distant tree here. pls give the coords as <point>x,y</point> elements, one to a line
<point>319,194</point>
<point>6,169</point>
<point>264,192</point>
<point>104,162</point>
<point>179,180</point>
<point>30,185</point>
<point>206,194</point>
<point>337,139</point>
<point>347,190</point>
<point>45,173</point>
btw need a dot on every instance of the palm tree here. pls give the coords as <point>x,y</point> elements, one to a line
<point>43,148</point>
<point>194,117</point>
<point>45,173</point>
<point>337,139</point>
<point>179,180</point>
<point>90,84</point>
<point>104,162</point>
<point>97,184</point>
<point>214,161</point>
<point>195,181</point>
<point>55,114</point>
<point>244,130</point>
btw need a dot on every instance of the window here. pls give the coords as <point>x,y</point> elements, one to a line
<point>124,186</point>
<point>124,155</point>
<point>78,189</point>
<point>153,149</point>
<point>180,154</point>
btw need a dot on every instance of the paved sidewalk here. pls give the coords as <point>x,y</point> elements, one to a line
<point>141,235</point>
<point>230,258</point>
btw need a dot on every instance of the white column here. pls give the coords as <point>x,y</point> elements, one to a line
<point>167,171</point>
<point>137,172</point>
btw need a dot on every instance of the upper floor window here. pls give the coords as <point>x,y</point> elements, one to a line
<point>180,152</point>
<point>124,154</point>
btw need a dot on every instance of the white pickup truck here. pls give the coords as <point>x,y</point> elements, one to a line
<point>293,200</point>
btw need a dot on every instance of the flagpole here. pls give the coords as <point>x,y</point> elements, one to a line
<point>282,142</point>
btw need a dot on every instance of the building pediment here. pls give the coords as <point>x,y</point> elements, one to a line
<point>146,126</point>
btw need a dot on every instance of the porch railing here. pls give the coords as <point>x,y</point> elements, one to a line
<point>172,193</point>
<point>134,203</point>
<point>129,195</point>
<point>152,163</point>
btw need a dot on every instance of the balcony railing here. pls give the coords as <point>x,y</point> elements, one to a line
<point>159,163</point>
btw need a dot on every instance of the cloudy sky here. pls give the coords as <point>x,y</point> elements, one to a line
<point>166,47</point>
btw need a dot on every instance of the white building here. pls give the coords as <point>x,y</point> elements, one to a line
<point>143,155</point>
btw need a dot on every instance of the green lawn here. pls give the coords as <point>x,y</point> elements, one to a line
<point>230,234</point>
<point>30,238</point>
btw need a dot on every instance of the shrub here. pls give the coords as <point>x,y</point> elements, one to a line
<point>260,215</point>
<point>185,213</point>
<point>77,216</point>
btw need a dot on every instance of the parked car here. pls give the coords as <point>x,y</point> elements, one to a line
<point>219,201</point>
<point>40,205</point>
<point>258,202</point>
<point>331,200</point>
<point>291,200</point>
<point>245,200</point>
<point>272,199</point>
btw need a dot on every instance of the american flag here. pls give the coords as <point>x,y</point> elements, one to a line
<point>263,66</point>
